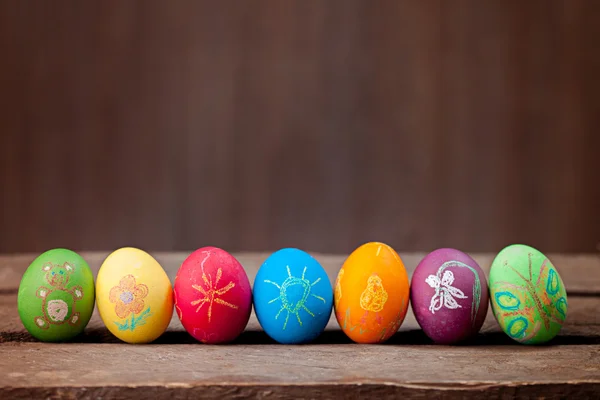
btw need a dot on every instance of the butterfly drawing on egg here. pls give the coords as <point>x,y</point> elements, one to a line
<point>522,302</point>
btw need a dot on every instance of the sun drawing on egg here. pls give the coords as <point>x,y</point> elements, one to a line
<point>293,306</point>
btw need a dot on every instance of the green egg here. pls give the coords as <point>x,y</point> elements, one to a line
<point>528,296</point>
<point>56,296</point>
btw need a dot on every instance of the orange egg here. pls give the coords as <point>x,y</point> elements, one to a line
<point>371,293</point>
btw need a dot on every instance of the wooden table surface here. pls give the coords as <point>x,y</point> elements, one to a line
<point>97,365</point>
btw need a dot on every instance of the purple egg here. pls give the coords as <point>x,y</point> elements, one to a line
<point>449,296</point>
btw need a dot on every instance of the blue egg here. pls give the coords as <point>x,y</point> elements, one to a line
<point>292,296</point>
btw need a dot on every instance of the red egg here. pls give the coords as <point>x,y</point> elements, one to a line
<point>213,298</point>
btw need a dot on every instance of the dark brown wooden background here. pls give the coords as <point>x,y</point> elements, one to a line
<point>315,124</point>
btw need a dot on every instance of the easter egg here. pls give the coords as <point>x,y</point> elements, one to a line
<point>134,296</point>
<point>371,293</point>
<point>528,297</point>
<point>56,296</point>
<point>449,296</point>
<point>213,298</point>
<point>292,296</point>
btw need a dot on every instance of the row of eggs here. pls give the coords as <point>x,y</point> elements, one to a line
<point>293,297</point>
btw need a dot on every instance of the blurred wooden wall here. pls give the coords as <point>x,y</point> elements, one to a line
<point>320,125</point>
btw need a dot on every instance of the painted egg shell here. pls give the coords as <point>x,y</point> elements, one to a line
<point>292,296</point>
<point>213,298</point>
<point>528,297</point>
<point>449,296</point>
<point>134,296</point>
<point>56,296</point>
<point>371,293</point>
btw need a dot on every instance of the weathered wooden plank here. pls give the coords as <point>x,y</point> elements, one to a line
<point>336,370</point>
<point>580,272</point>
<point>176,366</point>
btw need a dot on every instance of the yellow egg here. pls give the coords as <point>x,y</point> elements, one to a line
<point>134,296</point>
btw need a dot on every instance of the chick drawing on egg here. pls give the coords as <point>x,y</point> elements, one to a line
<point>373,298</point>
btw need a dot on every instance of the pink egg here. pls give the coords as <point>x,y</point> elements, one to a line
<point>449,296</point>
<point>213,298</point>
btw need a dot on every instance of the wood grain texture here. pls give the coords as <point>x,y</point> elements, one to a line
<point>333,371</point>
<point>319,125</point>
<point>97,364</point>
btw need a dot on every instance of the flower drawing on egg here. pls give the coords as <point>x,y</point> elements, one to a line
<point>58,305</point>
<point>294,305</point>
<point>128,297</point>
<point>445,294</point>
<point>211,291</point>
<point>374,297</point>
